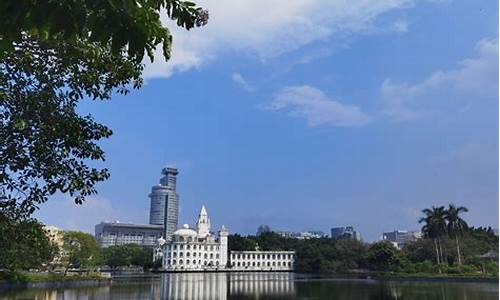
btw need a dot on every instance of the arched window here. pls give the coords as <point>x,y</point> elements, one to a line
<point>180,261</point>
<point>187,262</point>
<point>205,256</point>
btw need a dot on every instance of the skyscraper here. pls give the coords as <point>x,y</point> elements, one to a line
<point>165,202</point>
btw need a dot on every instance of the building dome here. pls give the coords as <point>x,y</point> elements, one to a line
<point>161,241</point>
<point>185,231</point>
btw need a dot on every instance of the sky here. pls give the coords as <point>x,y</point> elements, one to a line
<point>306,115</point>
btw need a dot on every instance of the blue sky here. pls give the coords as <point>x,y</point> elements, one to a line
<point>310,115</point>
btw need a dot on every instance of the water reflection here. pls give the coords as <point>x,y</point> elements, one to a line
<point>207,286</point>
<point>262,284</point>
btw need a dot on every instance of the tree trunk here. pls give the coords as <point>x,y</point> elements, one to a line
<point>458,250</point>
<point>437,252</point>
<point>440,251</point>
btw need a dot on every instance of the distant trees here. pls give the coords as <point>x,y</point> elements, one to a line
<point>80,250</point>
<point>434,227</point>
<point>383,256</point>
<point>440,222</point>
<point>128,255</point>
<point>24,244</point>
<point>456,225</point>
<point>449,246</point>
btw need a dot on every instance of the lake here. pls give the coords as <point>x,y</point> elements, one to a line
<point>263,286</point>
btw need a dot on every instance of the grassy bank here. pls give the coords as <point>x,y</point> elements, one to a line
<point>25,277</point>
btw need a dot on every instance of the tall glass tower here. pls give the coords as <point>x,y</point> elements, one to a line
<point>165,202</point>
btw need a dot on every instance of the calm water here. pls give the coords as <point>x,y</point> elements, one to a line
<point>263,286</point>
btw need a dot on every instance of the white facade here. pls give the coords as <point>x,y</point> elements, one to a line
<point>399,238</point>
<point>201,250</point>
<point>262,260</point>
<point>195,250</point>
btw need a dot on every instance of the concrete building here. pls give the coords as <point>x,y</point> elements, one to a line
<point>304,235</point>
<point>200,250</point>
<point>164,209</point>
<point>400,237</point>
<point>345,232</point>
<point>116,233</point>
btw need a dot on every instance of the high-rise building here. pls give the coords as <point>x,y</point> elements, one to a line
<point>345,232</point>
<point>165,202</point>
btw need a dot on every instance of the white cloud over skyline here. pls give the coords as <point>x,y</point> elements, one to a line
<point>316,107</point>
<point>266,30</point>
<point>476,76</point>
<point>62,212</point>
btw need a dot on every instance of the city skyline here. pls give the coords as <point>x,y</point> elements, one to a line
<point>361,118</point>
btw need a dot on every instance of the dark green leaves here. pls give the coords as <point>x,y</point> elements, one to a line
<point>133,26</point>
<point>46,145</point>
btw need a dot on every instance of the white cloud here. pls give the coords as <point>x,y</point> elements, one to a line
<point>238,78</point>
<point>316,107</point>
<point>400,26</point>
<point>477,76</point>
<point>62,212</point>
<point>266,29</point>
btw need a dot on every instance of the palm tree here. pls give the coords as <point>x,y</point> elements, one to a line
<point>434,227</point>
<point>456,225</point>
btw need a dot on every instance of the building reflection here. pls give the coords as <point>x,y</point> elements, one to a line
<point>261,284</point>
<point>208,286</point>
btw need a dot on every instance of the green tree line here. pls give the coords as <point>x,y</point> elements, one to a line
<point>448,246</point>
<point>33,249</point>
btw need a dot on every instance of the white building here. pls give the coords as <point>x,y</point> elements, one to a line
<point>195,250</point>
<point>399,238</point>
<point>200,250</point>
<point>262,260</point>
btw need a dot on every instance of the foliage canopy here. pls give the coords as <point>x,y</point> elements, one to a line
<point>53,55</point>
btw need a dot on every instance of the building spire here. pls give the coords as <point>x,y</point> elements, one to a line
<point>203,211</point>
<point>203,224</point>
